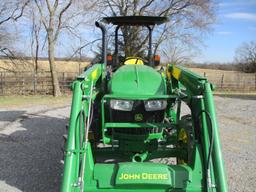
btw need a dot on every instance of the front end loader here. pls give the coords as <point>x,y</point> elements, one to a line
<point>127,131</point>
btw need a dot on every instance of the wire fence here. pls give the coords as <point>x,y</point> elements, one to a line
<point>29,83</point>
<point>232,80</point>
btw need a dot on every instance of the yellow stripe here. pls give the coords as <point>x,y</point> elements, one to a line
<point>94,74</point>
<point>176,73</point>
<point>168,73</point>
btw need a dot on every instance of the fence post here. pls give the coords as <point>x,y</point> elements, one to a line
<point>222,81</point>
<point>238,80</point>
<point>23,86</point>
<point>34,82</point>
<point>63,82</point>
<point>255,82</point>
<point>2,83</point>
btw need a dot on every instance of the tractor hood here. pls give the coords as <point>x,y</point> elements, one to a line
<point>136,80</point>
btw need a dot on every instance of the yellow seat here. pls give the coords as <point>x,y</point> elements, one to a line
<point>133,61</point>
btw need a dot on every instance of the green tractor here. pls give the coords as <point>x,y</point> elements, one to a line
<point>127,132</point>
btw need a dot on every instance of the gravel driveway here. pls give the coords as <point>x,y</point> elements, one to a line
<point>31,138</point>
<point>30,142</point>
<point>237,122</point>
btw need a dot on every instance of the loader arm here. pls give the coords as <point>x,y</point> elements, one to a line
<point>199,97</point>
<point>77,146</point>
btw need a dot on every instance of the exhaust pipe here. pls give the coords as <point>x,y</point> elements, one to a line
<point>104,42</point>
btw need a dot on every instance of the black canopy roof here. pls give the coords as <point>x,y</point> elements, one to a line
<point>136,20</point>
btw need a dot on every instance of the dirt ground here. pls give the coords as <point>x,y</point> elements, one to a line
<point>31,138</point>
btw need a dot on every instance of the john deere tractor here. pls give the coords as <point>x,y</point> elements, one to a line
<point>127,131</point>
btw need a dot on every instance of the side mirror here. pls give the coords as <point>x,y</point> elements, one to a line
<point>156,60</point>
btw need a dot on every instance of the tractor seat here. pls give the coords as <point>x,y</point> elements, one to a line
<point>133,61</point>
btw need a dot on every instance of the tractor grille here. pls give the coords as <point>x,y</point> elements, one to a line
<point>138,115</point>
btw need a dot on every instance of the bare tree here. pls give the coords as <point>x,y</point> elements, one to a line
<point>61,16</point>
<point>188,20</point>
<point>36,26</point>
<point>10,13</point>
<point>246,57</point>
<point>177,55</point>
<point>51,16</point>
<point>12,10</point>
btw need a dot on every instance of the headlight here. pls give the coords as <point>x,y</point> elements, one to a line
<point>122,105</point>
<point>155,105</point>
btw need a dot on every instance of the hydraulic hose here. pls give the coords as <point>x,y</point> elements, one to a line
<point>88,124</point>
<point>210,147</point>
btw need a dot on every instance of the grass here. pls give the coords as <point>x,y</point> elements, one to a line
<point>21,101</point>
